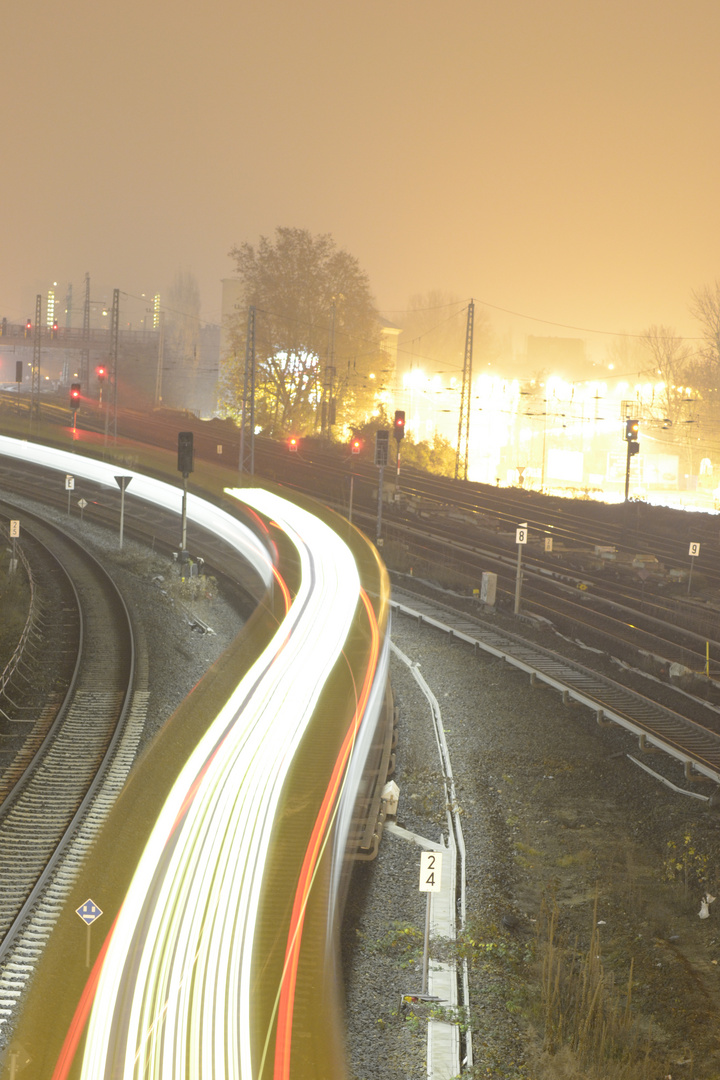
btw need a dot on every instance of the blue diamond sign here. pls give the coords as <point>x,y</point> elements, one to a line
<point>89,912</point>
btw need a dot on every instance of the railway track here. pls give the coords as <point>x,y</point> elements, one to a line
<point>199,748</point>
<point>694,744</point>
<point>53,786</point>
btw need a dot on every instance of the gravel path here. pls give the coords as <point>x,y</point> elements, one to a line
<point>556,819</point>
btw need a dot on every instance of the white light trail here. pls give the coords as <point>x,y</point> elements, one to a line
<point>182,947</point>
<point>155,492</point>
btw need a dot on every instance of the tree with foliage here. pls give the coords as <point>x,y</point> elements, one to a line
<point>436,456</point>
<point>318,357</point>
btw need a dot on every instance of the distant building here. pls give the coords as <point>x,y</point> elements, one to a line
<point>558,356</point>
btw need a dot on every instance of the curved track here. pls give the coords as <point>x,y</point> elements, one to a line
<point>59,765</point>
<point>228,845</point>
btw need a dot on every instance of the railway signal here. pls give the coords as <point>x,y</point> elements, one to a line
<point>74,400</point>
<point>185,452</point>
<point>355,448</point>
<point>185,465</point>
<point>293,443</point>
<point>101,373</point>
<point>381,448</point>
<point>382,443</point>
<point>632,429</point>
<point>399,433</point>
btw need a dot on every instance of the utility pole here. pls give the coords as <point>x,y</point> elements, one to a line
<point>461,458</point>
<point>632,428</point>
<point>247,422</point>
<point>161,358</point>
<point>85,354</point>
<point>186,460</point>
<point>327,414</point>
<point>35,386</point>
<point>382,440</point>
<point>114,336</point>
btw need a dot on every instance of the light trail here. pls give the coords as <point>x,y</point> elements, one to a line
<point>176,990</point>
<point>182,946</point>
<point>155,492</point>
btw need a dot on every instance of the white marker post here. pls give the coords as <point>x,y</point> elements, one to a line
<point>14,534</point>
<point>122,482</point>
<point>69,486</point>
<point>430,882</point>
<point>521,534</point>
<point>694,550</point>
<point>88,912</point>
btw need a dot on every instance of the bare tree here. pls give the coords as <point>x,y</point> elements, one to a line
<point>433,334</point>
<point>705,307</point>
<point>672,362</point>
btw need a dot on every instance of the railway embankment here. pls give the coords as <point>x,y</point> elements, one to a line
<point>586,876</point>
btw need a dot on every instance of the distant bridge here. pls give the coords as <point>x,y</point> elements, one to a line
<point>96,339</point>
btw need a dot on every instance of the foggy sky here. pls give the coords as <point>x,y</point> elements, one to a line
<point>558,158</point>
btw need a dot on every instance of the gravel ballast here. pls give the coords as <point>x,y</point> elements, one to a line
<point>555,818</point>
<point>570,846</point>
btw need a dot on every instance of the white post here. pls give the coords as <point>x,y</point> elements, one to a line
<point>520,539</point>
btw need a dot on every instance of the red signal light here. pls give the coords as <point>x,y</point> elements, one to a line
<point>75,392</point>
<point>356,446</point>
<point>100,372</point>
<point>293,443</point>
<point>28,327</point>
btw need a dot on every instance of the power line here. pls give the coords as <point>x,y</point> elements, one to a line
<point>544,322</point>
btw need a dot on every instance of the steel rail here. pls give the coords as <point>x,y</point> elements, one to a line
<point>697,747</point>
<point>33,778</point>
<point>30,627</point>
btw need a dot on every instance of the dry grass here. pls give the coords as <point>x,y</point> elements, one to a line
<point>587,1022</point>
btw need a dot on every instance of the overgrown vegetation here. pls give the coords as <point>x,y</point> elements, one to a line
<point>585,1021</point>
<point>686,864</point>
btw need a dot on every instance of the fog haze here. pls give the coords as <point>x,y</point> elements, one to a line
<point>557,159</point>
